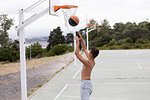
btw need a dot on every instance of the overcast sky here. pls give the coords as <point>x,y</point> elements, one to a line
<point>112,10</point>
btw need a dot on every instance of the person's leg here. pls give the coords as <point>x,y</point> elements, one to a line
<point>84,94</point>
<point>86,90</point>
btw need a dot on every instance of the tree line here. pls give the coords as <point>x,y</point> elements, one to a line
<point>119,36</point>
<point>9,50</point>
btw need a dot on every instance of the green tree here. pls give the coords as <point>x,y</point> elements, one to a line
<point>5,54</point>
<point>60,49</point>
<point>36,50</point>
<point>70,39</point>
<point>135,32</point>
<point>112,42</point>
<point>105,24</point>
<point>118,29</point>
<point>92,21</point>
<point>105,28</point>
<point>15,45</point>
<point>93,34</point>
<point>143,24</point>
<point>145,28</point>
<point>128,40</point>
<point>14,51</point>
<point>142,41</point>
<point>5,25</point>
<point>148,26</point>
<point>105,39</point>
<point>55,38</point>
<point>10,53</point>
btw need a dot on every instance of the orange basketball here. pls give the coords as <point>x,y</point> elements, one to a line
<point>73,20</point>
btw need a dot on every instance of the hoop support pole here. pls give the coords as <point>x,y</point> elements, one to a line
<point>87,34</point>
<point>21,33</point>
<point>75,58</point>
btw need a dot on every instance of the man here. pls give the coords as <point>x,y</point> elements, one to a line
<point>86,86</point>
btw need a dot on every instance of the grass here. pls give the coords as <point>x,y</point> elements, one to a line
<point>53,75</point>
<point>40,85</point>
<point>34,89</point>
<point>6,67</point>
<point>29,93</point>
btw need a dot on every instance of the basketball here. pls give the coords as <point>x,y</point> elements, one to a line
<point>73,20</point>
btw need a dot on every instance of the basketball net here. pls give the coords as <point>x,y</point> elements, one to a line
<point>67,13</point>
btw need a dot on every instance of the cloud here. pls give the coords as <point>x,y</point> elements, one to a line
<point>112,10</point>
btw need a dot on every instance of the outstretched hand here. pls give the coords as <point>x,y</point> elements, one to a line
<point>76,38</point>
<point>80,35</point>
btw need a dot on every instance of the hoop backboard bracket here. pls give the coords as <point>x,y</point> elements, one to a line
<point>52,4</point>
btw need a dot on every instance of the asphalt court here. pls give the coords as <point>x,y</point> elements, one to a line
<point>117,75</point>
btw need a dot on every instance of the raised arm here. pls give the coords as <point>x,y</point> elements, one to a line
<point>84,61</point>
<point>84,46</point>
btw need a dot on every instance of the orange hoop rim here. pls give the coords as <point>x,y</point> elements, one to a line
<point>56,8</point>
<point>90,24</point>
<point>97,28</point>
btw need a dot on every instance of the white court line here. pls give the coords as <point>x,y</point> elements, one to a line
<point>143,83</point>
<point>77,73</point>
<point>77,97</point>
<point>123,77</point>
<point>66,85</point>
<point>140,52</point>
<point>61,92</point>
<point>138,65</point>
<point>127,52</point>
<point>93,98</point>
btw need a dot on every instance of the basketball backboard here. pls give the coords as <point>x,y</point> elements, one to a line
<point>52,4</point>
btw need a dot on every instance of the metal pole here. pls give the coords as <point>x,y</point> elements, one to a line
<point>75,58</point>
<point>22,57</point>
<point>30,51</point>
<point>87,34</point>
<point>87,39</point>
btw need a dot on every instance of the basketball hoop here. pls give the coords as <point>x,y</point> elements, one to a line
<point>92,27</point>
<point>98,28</point>
<point>67,10</point>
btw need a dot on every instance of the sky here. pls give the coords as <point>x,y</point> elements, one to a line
<point>112,10</point>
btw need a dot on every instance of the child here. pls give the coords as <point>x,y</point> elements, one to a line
<point>86,86</point>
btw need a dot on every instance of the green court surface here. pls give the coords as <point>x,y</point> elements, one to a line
<point>117,75</point>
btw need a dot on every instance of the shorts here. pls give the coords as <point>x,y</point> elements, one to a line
<point>86,89</point>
